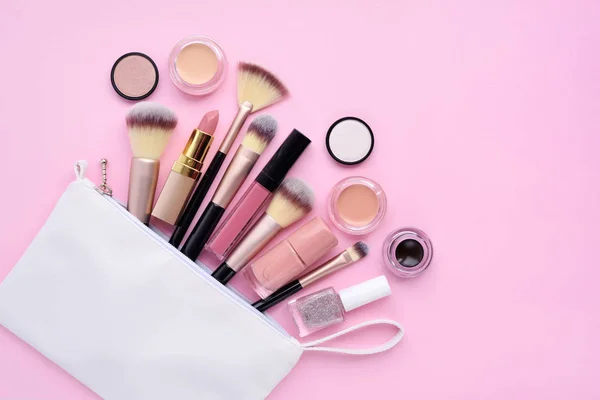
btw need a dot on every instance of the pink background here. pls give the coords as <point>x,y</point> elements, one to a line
<point>487,136</point>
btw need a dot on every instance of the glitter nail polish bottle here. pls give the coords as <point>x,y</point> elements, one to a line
<point>325,308</point>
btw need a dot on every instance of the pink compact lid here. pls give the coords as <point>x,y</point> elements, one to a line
<point>313,240</point>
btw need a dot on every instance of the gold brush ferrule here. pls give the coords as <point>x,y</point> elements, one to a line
<point>236,173</point>
<point>259,236</point>
<point>190,161</point>
<point>241,116</point>
<point>338,262</point>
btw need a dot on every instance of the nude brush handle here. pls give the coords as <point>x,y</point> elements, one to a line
<point>143,177</point>
<point>237,171</point>
<point>259,236</point>
<point>256,240</point>
<point>241,116</point>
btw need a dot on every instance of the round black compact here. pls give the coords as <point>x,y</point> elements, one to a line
<point>349,140</point>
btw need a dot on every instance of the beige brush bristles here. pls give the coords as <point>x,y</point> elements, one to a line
<point>358,250</point>
<point>292,201</point>
<point>150,126</point>
<point>258,86</point>
<point>260,133</point>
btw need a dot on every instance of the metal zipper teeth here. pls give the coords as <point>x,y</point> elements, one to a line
<point>189,263</point>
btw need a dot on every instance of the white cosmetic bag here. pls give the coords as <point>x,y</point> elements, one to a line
<point>112,303</point>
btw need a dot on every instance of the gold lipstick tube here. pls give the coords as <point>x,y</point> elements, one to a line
<point>241,116</point>
<point>183,177</point>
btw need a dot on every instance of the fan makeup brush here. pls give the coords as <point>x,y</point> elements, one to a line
<point>348,257</point>
<point>150,127</point>
<point>257,89</point>
<point>292,201</point>
<point>260,133</point>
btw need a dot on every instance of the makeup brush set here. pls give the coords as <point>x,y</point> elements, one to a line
<point>357,204</point>
<point>123,268</point>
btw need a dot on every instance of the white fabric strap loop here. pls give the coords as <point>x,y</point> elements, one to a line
<point>311,346</point>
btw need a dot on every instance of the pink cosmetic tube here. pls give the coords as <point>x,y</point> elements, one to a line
<point>290,258</point>
<point>251,205</point>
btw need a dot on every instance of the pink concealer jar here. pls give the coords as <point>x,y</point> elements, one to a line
<point>407,252</point>
<point>197,65</point>
<point>357,205</point>
<point>290,258</point>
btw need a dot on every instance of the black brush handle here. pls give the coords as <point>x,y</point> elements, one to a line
<point>204,228</point>
<point>197,198</point>
<point>223,274</point>
<point>278,296</point>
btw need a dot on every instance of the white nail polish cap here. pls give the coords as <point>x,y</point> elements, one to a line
<point>365,293</point>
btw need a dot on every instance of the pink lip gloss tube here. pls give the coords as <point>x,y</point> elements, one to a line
<point>290,258</point>
<point>249,208</point>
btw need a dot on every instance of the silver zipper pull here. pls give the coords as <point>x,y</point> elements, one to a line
<point>104,188</point>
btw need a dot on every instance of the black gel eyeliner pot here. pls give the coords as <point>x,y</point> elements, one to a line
<point>407,252</point>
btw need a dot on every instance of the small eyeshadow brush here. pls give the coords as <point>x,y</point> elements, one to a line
<point>348,257</point>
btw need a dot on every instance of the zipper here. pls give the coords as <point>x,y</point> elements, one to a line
<point>198,269</point>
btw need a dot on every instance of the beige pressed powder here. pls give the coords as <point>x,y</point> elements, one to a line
<point>134,76</point>
<point>358,205</point>
<point>197,63</point>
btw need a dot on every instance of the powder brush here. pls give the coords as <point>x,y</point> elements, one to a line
<point>292,201</point>
<point>257,89</point>
<point>260,133</point>
<point>150,126</point>
<point>352,254</point>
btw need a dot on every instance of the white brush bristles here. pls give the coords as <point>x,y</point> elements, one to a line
<point>292,201</point>
<point>150,127</point>
<point>260,133</point>
<point>358,250</point>
<point>258,86</point>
